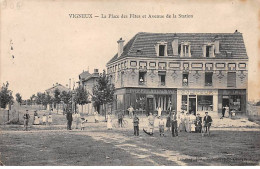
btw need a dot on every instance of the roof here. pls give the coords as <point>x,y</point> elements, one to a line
<point>58,86</point>
<point>84,75</point>
<point>228,42</point>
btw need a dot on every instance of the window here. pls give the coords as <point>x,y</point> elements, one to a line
<point>231,79</point>
<point>207,51</point>
<point>185,81</point>
<point>142,78</point>
<point>205,103</point>
<point>133,63</point>
<point>161,50</point>
<point>185,50</point>
<point>152,64</point>
<point>208,78</point>
<point>174,65</point>
<point>162,65</point>
<point>119,102</point>
<point>184,102</point>
<point>235,102</point>
<point>142,65</point>
<point>162,78</point>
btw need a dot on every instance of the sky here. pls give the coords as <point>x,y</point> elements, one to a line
<point>49,46</point>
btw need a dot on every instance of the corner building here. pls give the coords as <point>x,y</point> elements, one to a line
<point>196,72</point>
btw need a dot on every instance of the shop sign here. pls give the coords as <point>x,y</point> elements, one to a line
<point>152,91</point>
<point>197,92</point>
<point>232,92</point>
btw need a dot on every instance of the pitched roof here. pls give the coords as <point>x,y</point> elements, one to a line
<point>57,86</point>
<point>84,75</point>
<point>228,42</point>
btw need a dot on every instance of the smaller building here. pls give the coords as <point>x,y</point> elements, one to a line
<point>58,86</point>
<point>88,80</point>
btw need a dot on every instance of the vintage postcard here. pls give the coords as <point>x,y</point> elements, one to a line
<point>129,83</point>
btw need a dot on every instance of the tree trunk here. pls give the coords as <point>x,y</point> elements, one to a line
<point>105,112</point>
<point>82,108</point>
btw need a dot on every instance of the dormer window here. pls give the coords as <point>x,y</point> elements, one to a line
<point>161,48</point>
<point>208,50</point>
<point>185,49</point>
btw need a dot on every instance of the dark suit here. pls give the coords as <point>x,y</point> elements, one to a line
<point>207,122</point>
<point>69,118</point>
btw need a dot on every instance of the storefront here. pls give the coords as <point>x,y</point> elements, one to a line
<point>146,100</point>
<point>197,100</point>
<point>235,99</point>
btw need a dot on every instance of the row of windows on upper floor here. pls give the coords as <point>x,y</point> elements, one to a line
<point>184,49</point>
<point>231,79</point>
<point>177,65</point>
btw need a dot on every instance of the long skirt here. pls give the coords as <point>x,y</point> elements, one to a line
<point>109,124</point>
<point>181,126</point>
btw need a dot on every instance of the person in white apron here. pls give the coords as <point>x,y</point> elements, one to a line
<point>109,122</point>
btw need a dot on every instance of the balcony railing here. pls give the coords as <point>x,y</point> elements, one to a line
<point>185,83</point>
<point>208,84</point>
<point>162,83</point>
<point>142,82</point>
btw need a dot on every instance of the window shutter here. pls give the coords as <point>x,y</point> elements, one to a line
<point>231,79</point>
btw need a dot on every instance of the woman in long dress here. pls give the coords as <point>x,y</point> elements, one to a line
<point>227,111</point>
<point>109,122</point>
<point>187,123</point>
<point>192,122</point>
<point>181,121</point>
<point>36,120</point>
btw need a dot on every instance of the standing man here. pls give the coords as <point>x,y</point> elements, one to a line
<point>34,116</point>
<point>131,110</point>
<point>120,119</point>
<point>69,118</point>
<point>26,118</point>
<point>136,125</point>
<point>174,124</point>
<point>207,122</point>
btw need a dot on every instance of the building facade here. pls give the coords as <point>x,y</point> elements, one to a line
<point>88,80</point>
<point>195,72</point>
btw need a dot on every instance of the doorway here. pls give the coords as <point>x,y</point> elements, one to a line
<point>225,102</point>
<point>150,106</point>
<point>192,105</point>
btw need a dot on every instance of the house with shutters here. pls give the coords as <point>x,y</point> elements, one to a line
<point>195,72</point>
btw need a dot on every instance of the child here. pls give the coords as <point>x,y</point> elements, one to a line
<point>136,125</point>
<point>49,119</point>
<point>161,126</point>
<point>44,119</point>
<point>83,121</point>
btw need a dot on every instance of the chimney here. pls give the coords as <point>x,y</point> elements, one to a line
<point>120,47</point>
<point>216,44</point>
<point>95,70</point>
<point>175,45</point>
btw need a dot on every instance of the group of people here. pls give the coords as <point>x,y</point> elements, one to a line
<point>176,123</point>
<point>45,119</point>
<point>36,119</point>
<point>227,113</point>
<point>78,120</point>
